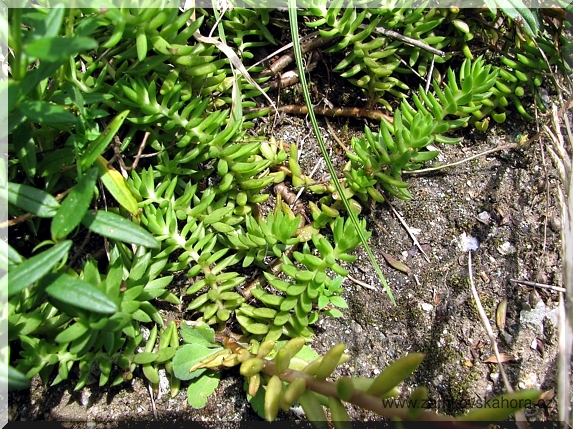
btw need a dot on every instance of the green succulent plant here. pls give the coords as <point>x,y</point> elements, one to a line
<point>127,137</point>
<point>281,374</point>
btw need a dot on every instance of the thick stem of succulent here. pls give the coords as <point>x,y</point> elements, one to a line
<point>362,399</point>
<point>359,398</point>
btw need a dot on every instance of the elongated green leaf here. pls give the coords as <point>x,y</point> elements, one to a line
<point>97,147</point>
<point>116,185</point>
<point>292,11</point>
<point>81,294</point>
<point>14,258</point>
<point>501,407</point>
<point>32,200</point>
<point>74,206</point>
<point>49,25</point>
<point>25,150</point>
<point>18,90</point>
<point>145,358</point>
<point>35,268</point>
<point>44,112</point>
<point>16,380</point>
<point>114,226</point>
<point>72,332</point>
<point>526,17</point>
<point>58,48</point>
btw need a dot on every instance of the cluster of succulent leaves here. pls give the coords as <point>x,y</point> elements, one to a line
<point>282,374</point>
<point>381,65</point>
<point>192,209</point>
<point>88,86</point>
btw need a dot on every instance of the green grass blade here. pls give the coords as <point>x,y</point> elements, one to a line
<point>302,78</point>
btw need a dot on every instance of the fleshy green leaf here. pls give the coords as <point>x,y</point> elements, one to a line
<point>257,401</point>
<point>74,206</point>
<point>145,358</point>
<point>72,332</point>
<point>501,407</point>
<point>80,294</point>
<point>36,267</point>
<point>114,226</point>
<point>201,388</point>
<point>32,200</point>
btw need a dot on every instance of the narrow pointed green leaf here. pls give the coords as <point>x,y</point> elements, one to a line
<point>74,206</point>
<point>395,373</point>
<point>35,268</point>
<point>114,226</point>
<point>81,294</point>
<point>97,147</point>
<point>16,380</point>
<point>32,200</point>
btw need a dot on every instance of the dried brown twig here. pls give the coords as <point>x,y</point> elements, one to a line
<point>519,415</point>
<point>561,150</point>
<point>352,112</point>
<point>285,60</point>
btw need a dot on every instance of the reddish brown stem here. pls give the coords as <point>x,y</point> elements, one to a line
<point>364,400</point>
<point>353,112</point>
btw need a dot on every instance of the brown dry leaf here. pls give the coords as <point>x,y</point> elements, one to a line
<point>545,397</point>
<point>503,356</point>
<point>468,363</point>
<point>395,263</point>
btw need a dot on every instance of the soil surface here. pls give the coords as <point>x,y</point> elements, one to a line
<point>506,201</point>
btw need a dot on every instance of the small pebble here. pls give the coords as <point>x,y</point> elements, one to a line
<point>427,307</point>
<point>484,217</point>
<point>467,242</point>
<point>529,381</point>
<point>507,248</point>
